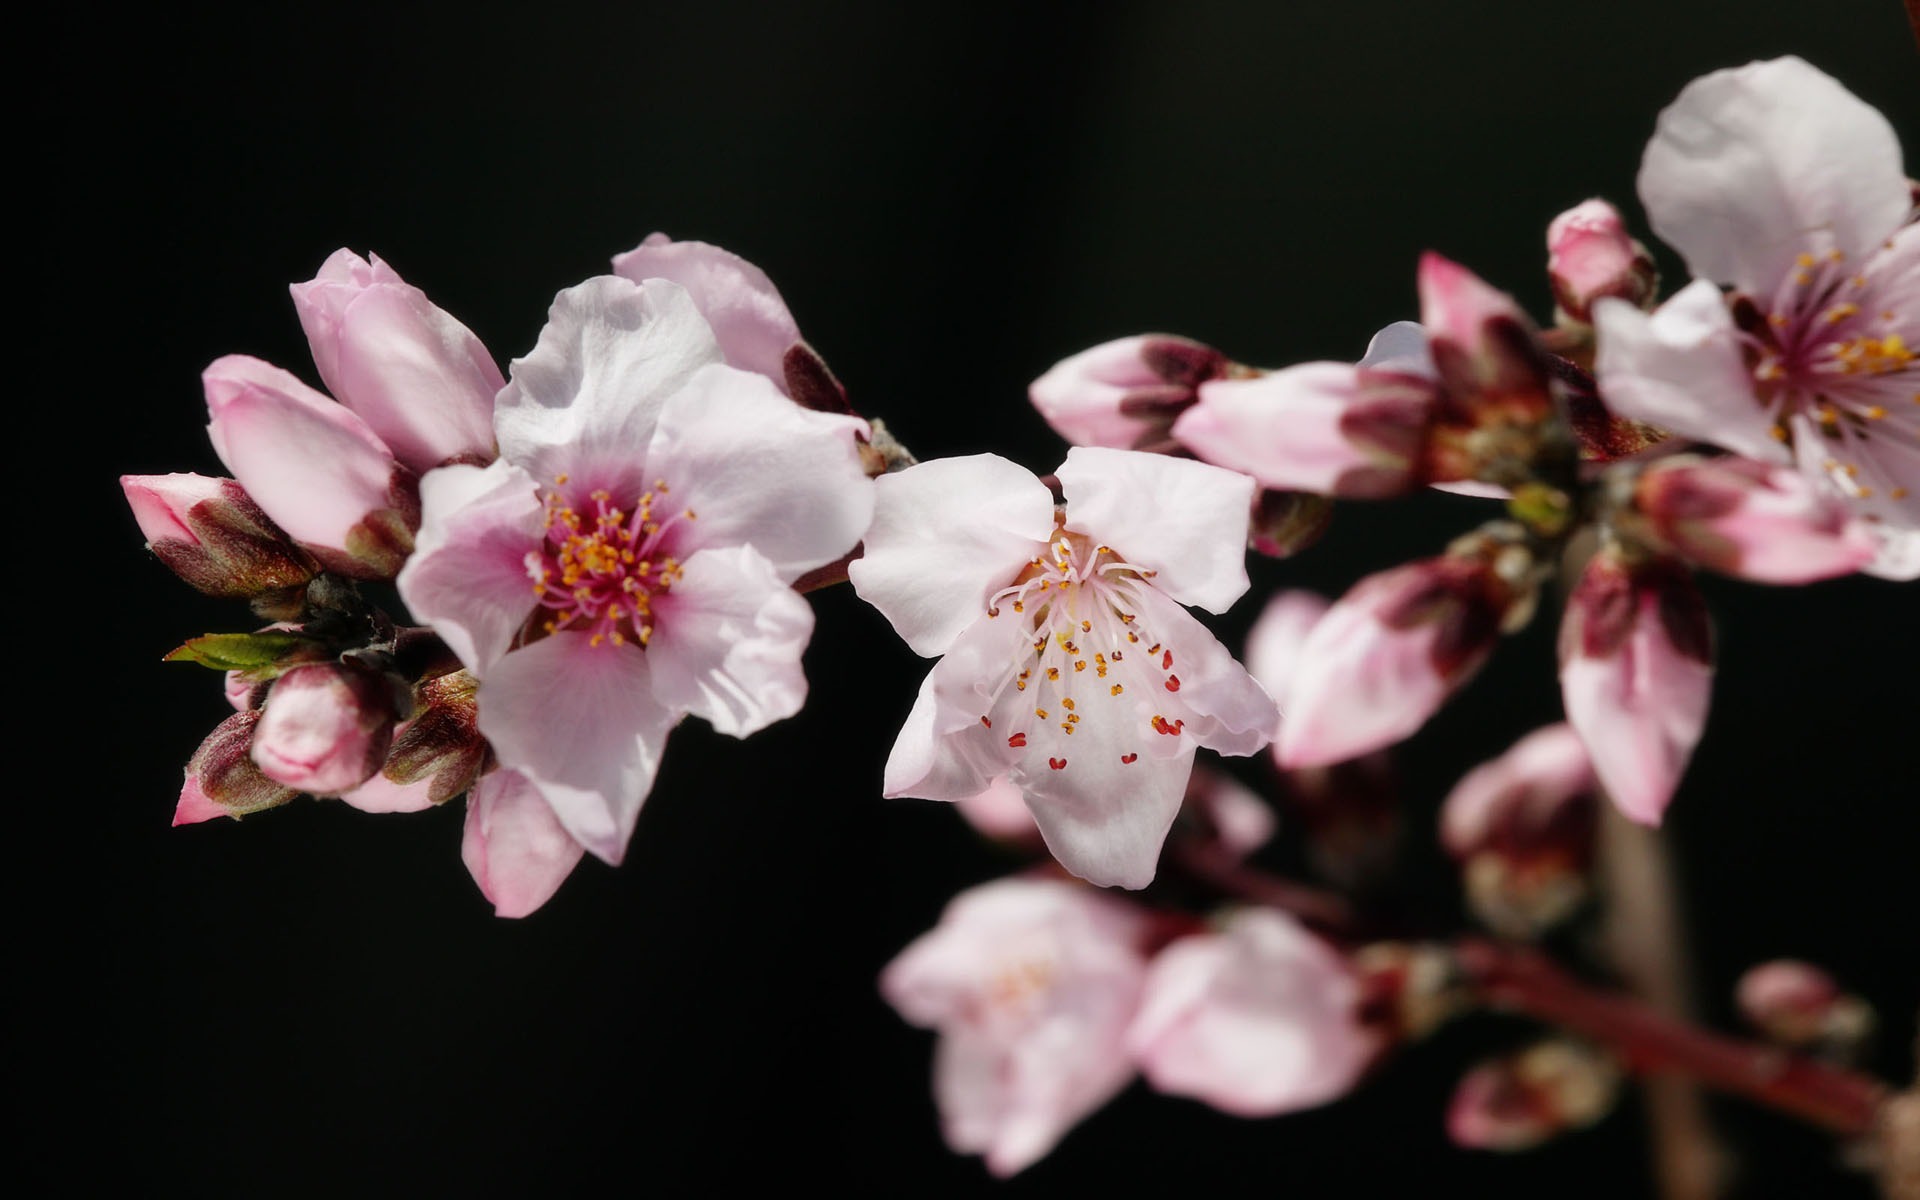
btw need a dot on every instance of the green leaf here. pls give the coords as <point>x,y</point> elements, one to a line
<point>260,655</point>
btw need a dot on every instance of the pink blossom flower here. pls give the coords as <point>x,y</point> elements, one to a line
<point>1031,984</point>
<point>1257,1019</point>
<point>1126,392</point>
<point>1069,664</point>
<point>1521,1100</point>
<point>325,472</point>
<point>627,560</point>
<point>1758,521</point>
<point>1590,254</point>
<point>1775,180</point>
<point>1636,676</point>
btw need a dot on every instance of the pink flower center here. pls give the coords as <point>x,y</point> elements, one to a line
<point>600,566</point>
<point>1831,355</point>
<point>1091,657</point>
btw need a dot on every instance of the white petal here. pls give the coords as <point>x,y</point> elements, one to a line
<point>1104,819</point>
<point>1185,520</point>
<point>1226,710</point>
<point>1681,368</point>
<point>1401,346</point>
<point>468,577</point>
<point>1753,165</point>
<point>932,763</point>
<point>727,642</point>
<point>514,846</point>
<point>1273,644</point>
<point>946,535</point>
<point>580,722</point>
<point>748,317</point>
<point>584,402</point>
<point>756,468</point>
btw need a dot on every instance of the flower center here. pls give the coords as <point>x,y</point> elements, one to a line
<point>600,565</point>
<point>1090,658</point>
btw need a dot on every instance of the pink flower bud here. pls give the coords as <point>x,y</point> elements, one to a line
<point>326,727</point>
<point>1797,1004</point>
<point>1522,828</point>
<point>440,745</point>
<point>1590,255</point>
<point>1125,393</point>
<point>1387,655</point>
<point>318,470</point>
<point>210,534</point>
<point>1000,812</point>
<point>1757,521</point>
<point>221,778</point>
<point>1496,381</point>
<point>413,373</point>
<point>1636,676</point>
<point>1525,1099</point>
<point>1260,1018</point>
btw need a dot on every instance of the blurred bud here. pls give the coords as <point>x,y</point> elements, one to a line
<point>222,780</point>
<point>212,536</point>
<point>1636,675</point>
<point>1125,393</point>
<point>442,741</point>
<point>1522,828</point>
<point>1522,1100</point>
<point>1409,989</point>
<point>1752,520</point>
<point>1391,651</point>
<point>1285,523</point>
<point>1799,1005</point>
<point>1590,255</point>
<point>1226,812</point>
<point>1257,1019</point>
<point>1000,812</point>
<point>326,727</point>
<point>1498,410</point>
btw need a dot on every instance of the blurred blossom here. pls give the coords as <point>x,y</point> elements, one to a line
<point>1522,828</point>
<point>1525,1099</point>
<point>1125,393</point>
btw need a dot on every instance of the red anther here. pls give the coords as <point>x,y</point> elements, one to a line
<point>1057,763</point>
<point>1128,758</point>
<point>1173,683</point>
<point>1017,740</point>
<point>1162,725</point>
<point>987,721</point>
<point>1166,661</point>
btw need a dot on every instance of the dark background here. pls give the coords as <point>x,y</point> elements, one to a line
<point>951,198</point>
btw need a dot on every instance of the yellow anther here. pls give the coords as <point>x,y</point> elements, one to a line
<point>1116,690</point>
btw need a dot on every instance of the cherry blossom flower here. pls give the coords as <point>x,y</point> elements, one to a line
<point>1776,181</point>
<point>1069,664</point>
<point>1758,521</point>
<point>1590,254</point>
<point>626,562</point>
<point>1257,1019</point>
<point>1032,984</point>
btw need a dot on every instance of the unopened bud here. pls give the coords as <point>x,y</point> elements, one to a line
<point>1498,388</point>
<point>1522,829</point>
<point>326,727</point>
<point>1590,255</point>
<point>1799,1005</point>
<point>222,779</point>
<point>1408,989</point>
<point>1752,520</point>
<point>1127,392</point>
<point>1285,523</point>
<point>211,535</point>
<point>442,741</point>
<point>1522,1100</point>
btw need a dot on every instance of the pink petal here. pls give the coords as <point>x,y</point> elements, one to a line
<point>1275,641</point>
<point>160,502</point>
<point>1225,709</point>
<point>580,722</point>
<point>1186,521</point>
<point>584,403</point>
<point>1106,819</point>
<point>749,319</point>
<point>1636,677</point>
<point>1751,166</point>
<point>1260,1019</point>
<point>727,642</point>
<point>756,468</point>
<point>946,535</point>
<point>514,846</point>
<point>1540,770</point>
<point>420,378</point>
<point>468,575</point>
<point>315,468</point>
<point>1119,392</point>
<point>1240,819</point>
<point>999,812</point>
<point>1760,522</point>
<point>195,805</point>
<point>1681,369</point>
<point>1896,553</point>
<point>1310,428</point>
<point>382,795</point>
<point>325,728</point>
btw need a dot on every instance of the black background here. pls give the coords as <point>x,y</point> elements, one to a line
<point>951,198</point>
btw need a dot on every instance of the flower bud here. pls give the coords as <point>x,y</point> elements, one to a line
<point>326,727</point>
<point>1636,676</point>
<point>1497,384</point>
<point>210,534</point>
<point>1522,828</point>
<point>222,779</point>
<point>1125,393</point>
<point>442,741</point>
<point>1799,1005</point>
<point>745,311</point>
<point>1590,255</point>
<point>417,376</point>
<point>1752,520</point>
<point>1522,1100</point>
<point>1389,654</point>
<point>1260,1018</point>
<point>1000,812</point>
<point>1409,989</point>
